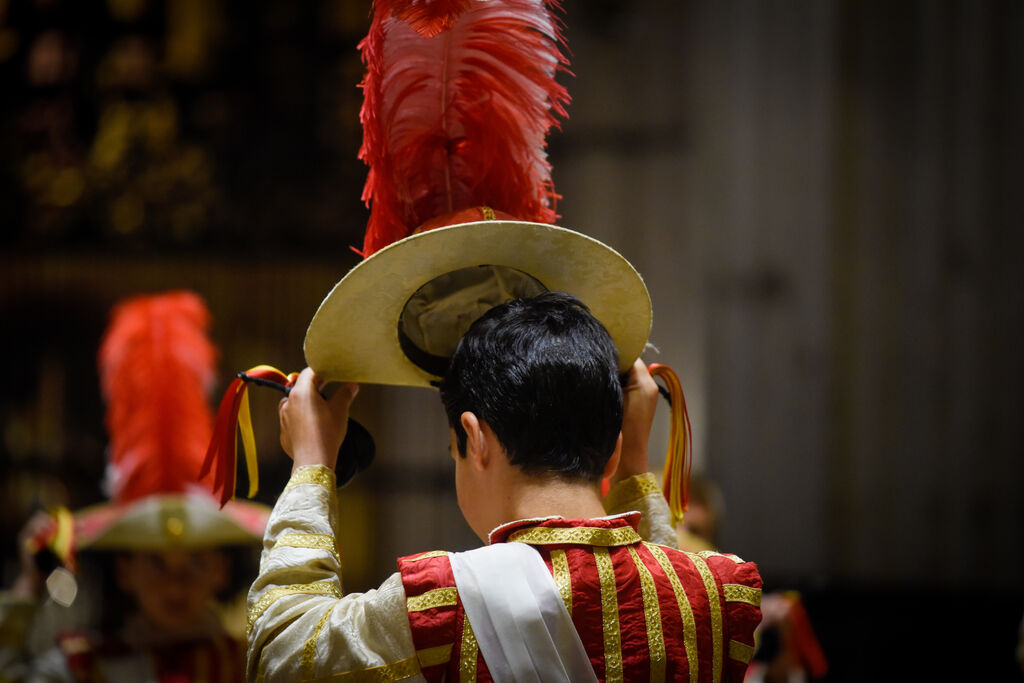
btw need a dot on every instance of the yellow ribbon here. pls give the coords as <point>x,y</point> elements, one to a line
<point>248,442</point>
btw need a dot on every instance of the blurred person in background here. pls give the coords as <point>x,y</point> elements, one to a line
<point>787,647</point>
<point>161,560</point>
<point>699,528</point>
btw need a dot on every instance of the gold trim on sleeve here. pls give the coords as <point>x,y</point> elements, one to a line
<point>275,594</point>
<point>563,579</point>
<point>313,541</point>
<point>313,474</point>
<point>433,656</point>
<point>652,617</point>
<point>609,616</point>
<point>685,611</point>
<point>309,649</point>
<point>581,535</point>
<point>427,555</point>
<point>629,490</point>
<point>715,607</point>
<point>737,592</point>
<point>439,597</point>
<point>740,651</point>
<point>468,653</point>
<point>387,673</point>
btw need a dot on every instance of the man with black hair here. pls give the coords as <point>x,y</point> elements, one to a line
<point>562,591</point>
<point>543,375</point>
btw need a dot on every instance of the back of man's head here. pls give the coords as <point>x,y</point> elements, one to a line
<point>543,374</point>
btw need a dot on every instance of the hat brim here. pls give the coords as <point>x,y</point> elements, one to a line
<point>158,522</point>
<point>354,336</point>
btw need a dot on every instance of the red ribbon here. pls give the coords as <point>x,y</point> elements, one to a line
<point>233,418</point>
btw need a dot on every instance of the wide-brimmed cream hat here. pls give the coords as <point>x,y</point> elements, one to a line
<point>183,521</point>
<point>397,316</point>
<point>458,102</point>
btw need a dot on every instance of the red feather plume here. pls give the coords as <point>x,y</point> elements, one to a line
<point>156,366</point>
<point>459,96</point>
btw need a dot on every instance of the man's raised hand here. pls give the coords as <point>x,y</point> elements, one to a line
<point>639,402</point>
<point>312,427</point>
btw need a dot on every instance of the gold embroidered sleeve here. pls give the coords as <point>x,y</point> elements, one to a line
<point>624,494</point>
<point>301,624</point>
<point>641,492</point>
<point>314,474</point>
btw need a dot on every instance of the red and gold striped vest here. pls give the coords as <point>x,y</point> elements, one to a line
<point>644,612</point>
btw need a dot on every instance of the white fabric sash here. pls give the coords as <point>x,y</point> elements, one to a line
<point>524,631</point>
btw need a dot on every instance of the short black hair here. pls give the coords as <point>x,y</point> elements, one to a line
<point>543,374</point>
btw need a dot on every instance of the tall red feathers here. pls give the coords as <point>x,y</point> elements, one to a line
<point>156,366</point>
<point>459,96</point>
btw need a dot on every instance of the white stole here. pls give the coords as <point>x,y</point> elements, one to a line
<point>524,631</point>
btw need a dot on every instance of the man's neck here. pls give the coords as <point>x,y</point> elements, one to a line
<point>533,497</point>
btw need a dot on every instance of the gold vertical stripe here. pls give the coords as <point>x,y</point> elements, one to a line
<point>740,651</point>
<point>610,616</point>
<point>652,616</point>
<point>260,668</point>
<point>685,611</point>
<point>309,649</point>
<point>715,608</point>
<point>439,597</point>
<point>560,570</point>
<point>467,653</point>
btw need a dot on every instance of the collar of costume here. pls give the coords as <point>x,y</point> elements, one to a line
<point>613,530</point>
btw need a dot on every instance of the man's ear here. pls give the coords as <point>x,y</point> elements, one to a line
<point>613,462</point>
<point>477,451</point>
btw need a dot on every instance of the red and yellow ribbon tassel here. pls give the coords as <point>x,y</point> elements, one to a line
<point>57,535</point>
<point>233,418</point>
<point>678,459</point>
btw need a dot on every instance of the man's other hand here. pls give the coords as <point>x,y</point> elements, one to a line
<point>639,402</point>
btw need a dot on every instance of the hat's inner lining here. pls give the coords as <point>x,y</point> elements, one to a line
<point>437,315</point>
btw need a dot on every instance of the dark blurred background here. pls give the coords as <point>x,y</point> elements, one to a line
<point>822,196</point>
